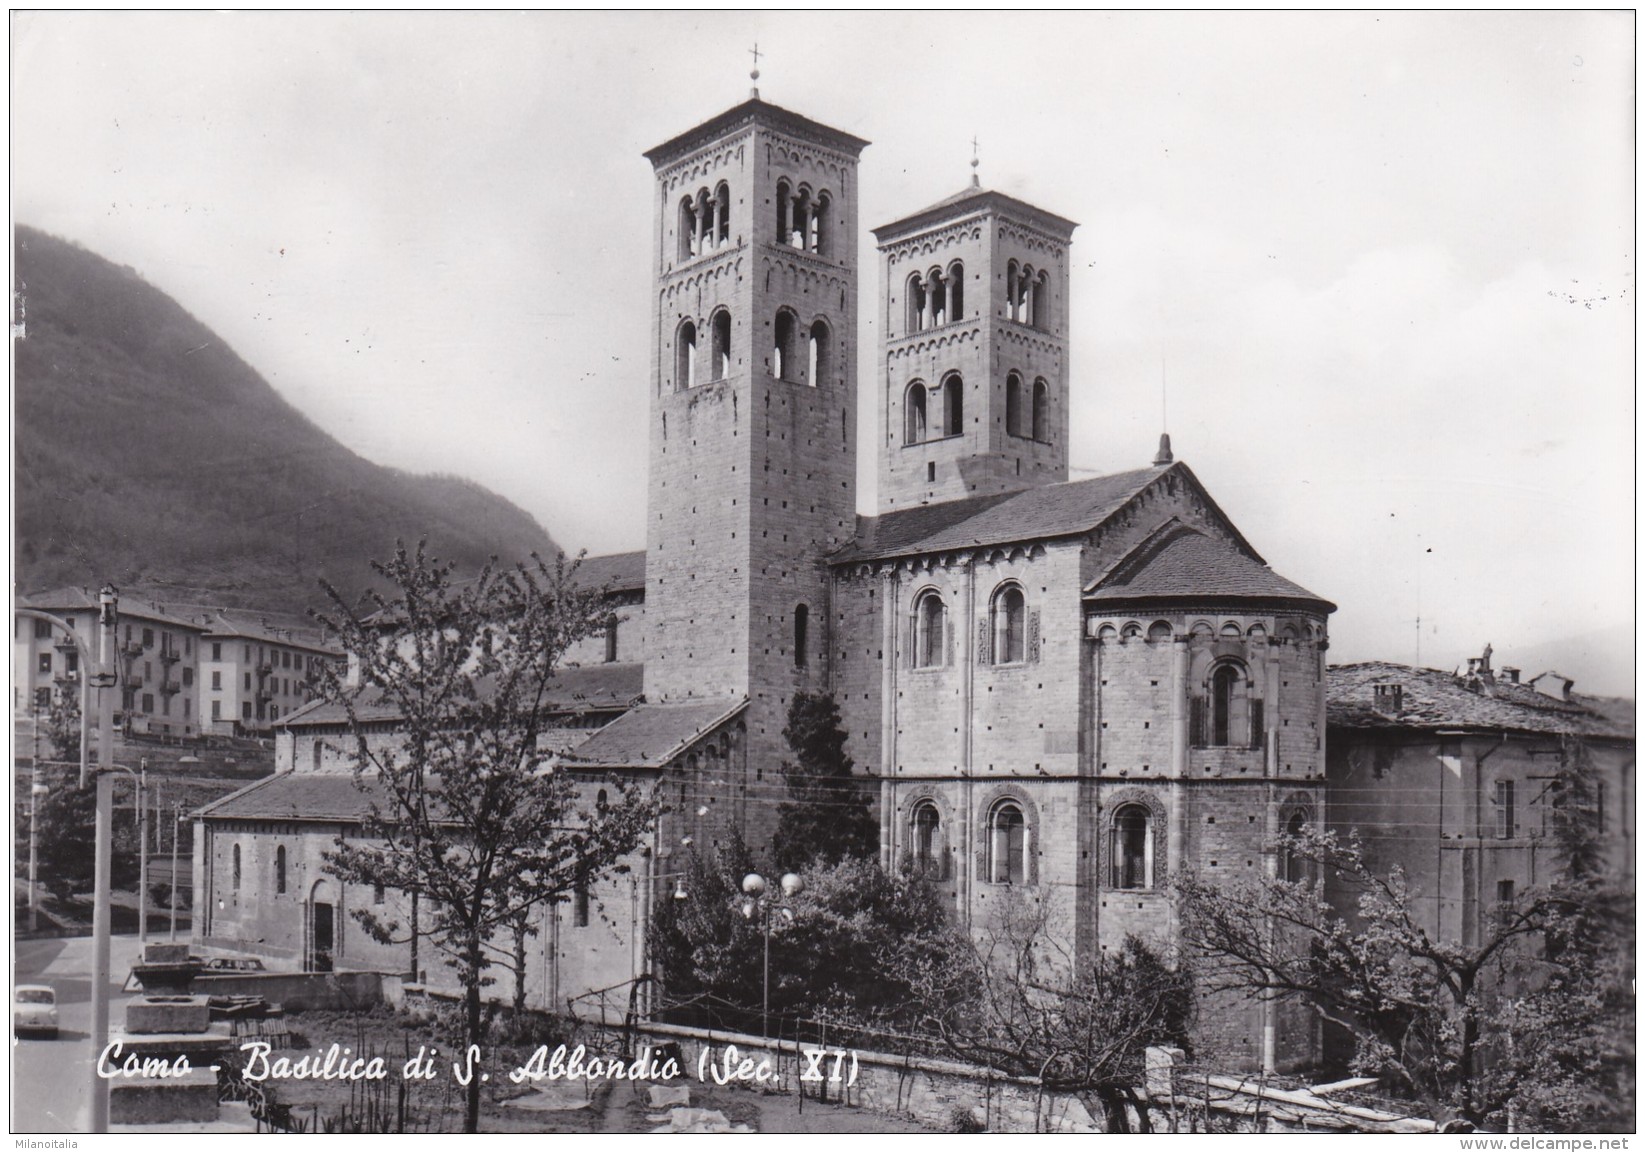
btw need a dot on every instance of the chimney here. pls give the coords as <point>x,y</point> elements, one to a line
<point>1510,674</point>
<point>1390,698</point>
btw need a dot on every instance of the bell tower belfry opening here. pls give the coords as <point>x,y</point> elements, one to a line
<point>974,357</point>
<point>753,413</point>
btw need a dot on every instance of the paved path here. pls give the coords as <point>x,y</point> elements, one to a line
<point>51,1080</point>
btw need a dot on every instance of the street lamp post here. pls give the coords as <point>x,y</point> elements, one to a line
<point>108,607</point>
<point>759,905</point>
<point>176,821</point>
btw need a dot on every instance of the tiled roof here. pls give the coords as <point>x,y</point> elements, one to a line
<point>1180,562</point>
<point>297,797</point>
<point>751,110</point>
<point>1051,510</point>
<point>574,689</point>
<point>944,209</point>
<point>649,736</point>
<point>618,571</point>
<point>229,623</point>
<point>79,599</point>
<point>1433,699</point>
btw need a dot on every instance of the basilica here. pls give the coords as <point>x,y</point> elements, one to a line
<point>1062,690</point>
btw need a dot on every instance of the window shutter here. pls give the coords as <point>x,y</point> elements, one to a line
<point>1196,722</point>
<point>984,635</point>
<point>1256,725</point>
<point>1034,635</point>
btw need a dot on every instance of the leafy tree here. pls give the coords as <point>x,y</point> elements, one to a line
<point>1443,1019</point>
<point>63,723</point>
<point>466,815</point>
<point>1021,1003</point>
<point>840,951</point>
<point>67,820</point>
<point>830,816</point>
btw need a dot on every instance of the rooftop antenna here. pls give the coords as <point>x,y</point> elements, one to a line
<point>976,181</point>
<point>754,73</point>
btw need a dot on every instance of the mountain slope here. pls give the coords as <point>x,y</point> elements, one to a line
<point>149,454</point>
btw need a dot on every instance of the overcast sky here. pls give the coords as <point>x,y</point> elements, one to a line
<point>1385,263</point>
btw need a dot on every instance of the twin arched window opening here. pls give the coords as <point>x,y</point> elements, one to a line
<point>948,399</point>
<point>1028,414</point>
<point>935,298</point>
<point>810,363</point>
<point>802,218</point>
<point>1026,294</point>
<point>705,221</point>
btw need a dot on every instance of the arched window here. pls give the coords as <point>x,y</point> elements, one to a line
<point>930,631</point>
<point>685,357</point>
<point>236,868</point>
<point>317,748</point>
<point>939,298</point>
<point>956,291</point>
<point>1042,411</point>
<point>916,303</point>
<point>914,427</point>
<point>720,344</point>
<point>1293,866</point>
<point>784,196</point>
<point>818,348</point>
<point>1012,286</point>
<point>782,348</point>
<point>819,224</point>
<point>722,214</point>
<point>1224,690</point>
<point>1007,845</point>
<point>802,624</point>
<point>924,829</point>
<point>280,869</point>
<point>1009,616</point>
<point>688,228</point>
<point>953,405</point>
<point>800,224</point>
<point>611,640</point>
<point>1040,300</point>
<point>1133,848</point>
<point>1013,404</point>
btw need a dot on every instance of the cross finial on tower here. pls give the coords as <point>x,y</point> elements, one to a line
<point>975,181</point>
<point>754,73</point>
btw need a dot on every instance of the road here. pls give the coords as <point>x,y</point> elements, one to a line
<point>51,1080</point>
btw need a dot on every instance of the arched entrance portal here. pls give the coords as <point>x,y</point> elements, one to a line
<point>320,941</point>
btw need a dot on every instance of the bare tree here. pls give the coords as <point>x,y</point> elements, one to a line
<point>467,816</point>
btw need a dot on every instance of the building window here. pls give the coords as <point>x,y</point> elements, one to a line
<point>216,710</point>
<point>1293,866</point>
<point>216,679</point>
<point>953,405</point>
<point>71,661</point>
<point>925,826</point>
<point>318,746</point>
<point>236,868</point>
<point>1224,690</point>
<point>148,702</point>
<point>148,638</point>
<point>248,682</point>
<point>722,214</point>
<point>1507,822</point>
<point>802,623</point>
<point>688,228</point>
<point>817,347</point>
<point>1504,903</point>
<point>1007,845</point>
<point>245,710</point>
<point>216,650</point>
<point>42,631</point>
<point>719,330</point>
<point>916,315</point>
<point>784,364</point>
<point>579,905</point>
<point>914,424</point>
<point>1013,404</point>
<point>956,291</point>
<point>280,869</point>
<point>188,678</point>
<point>930,629</point>
<point>1008,613</point>
<point>1227,716</point>
<point>611,641</point>
<point>45,662</point>
<point>1133,848</point>
<point>1042,411</point>
<point>685,356</point>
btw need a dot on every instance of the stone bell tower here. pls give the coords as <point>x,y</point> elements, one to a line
<point>974,356</point>
<point>753,415</point>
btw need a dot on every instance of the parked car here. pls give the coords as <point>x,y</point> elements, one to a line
<point>234,965</point>
<point>34,1011</point>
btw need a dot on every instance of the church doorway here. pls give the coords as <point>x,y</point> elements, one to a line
<point>322,930</point>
